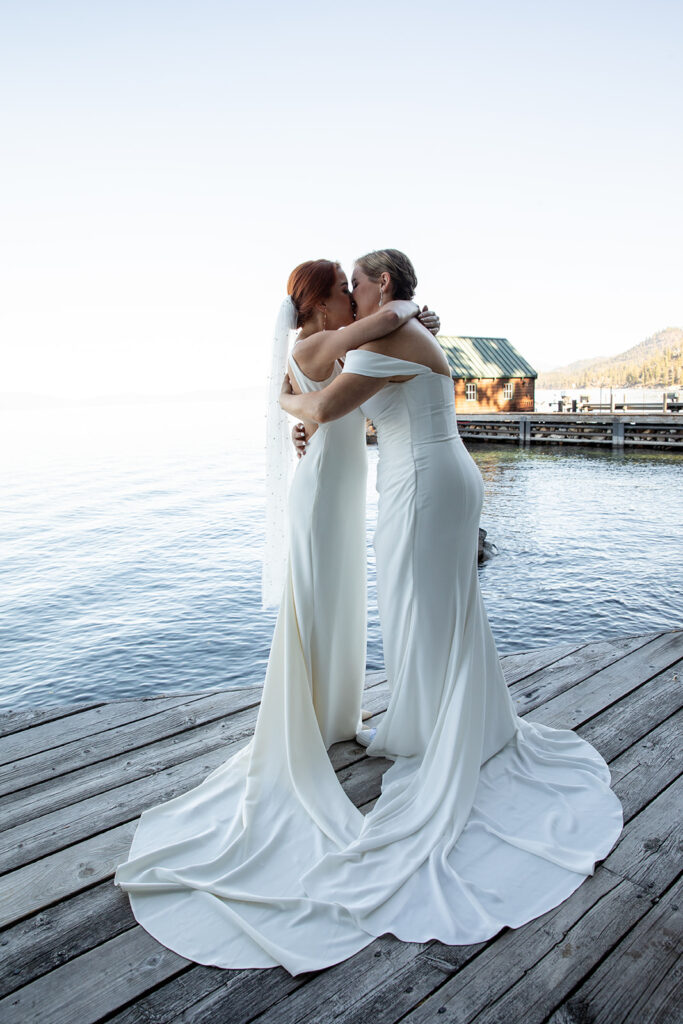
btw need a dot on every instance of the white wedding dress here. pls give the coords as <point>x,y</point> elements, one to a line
<point>214,873</point>
<point>484,820</point>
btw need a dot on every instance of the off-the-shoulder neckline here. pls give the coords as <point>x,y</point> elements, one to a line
<point>408,362</point>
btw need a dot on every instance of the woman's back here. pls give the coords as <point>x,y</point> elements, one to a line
<point>430,498</point>
<point>416,406</point>
<point>484,818</point>
<point>415,343</point>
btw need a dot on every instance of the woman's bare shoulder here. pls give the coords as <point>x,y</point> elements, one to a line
<point>413,342</point>
<point>313,363</point>
<point>388,345</point>
<point>304,351</point>
<point>409,337</point>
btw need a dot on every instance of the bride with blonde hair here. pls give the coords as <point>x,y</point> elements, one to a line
<point>485,819</point>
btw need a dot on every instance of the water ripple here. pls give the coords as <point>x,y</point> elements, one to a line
<point>130,562</point>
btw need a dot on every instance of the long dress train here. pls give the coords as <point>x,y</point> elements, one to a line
<point>484,819</point>
<point>214,873</point>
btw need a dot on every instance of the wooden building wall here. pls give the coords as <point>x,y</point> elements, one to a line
<point>491,395</point>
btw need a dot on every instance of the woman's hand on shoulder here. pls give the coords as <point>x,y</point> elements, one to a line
<point>429,319</point>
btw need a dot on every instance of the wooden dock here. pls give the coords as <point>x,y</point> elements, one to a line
<point>76,778</point>
<point>620,431</point>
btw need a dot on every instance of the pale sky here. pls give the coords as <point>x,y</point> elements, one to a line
<point>165,165</point>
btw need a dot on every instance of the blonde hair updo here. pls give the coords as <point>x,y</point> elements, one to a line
<point>397,265</point>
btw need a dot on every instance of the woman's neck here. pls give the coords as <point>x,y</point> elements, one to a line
<point>309,328</point>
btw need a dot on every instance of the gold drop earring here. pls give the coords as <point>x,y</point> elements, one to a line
<point>381,294</point>
<point>325,318</point>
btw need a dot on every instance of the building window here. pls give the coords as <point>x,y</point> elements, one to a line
<point>508,390</point>
<point>471,392</point>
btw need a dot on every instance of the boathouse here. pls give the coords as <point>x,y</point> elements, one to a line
<point>489,375</point>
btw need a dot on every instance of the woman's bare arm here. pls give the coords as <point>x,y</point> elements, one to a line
<point>309,427</point>
<point>345,393</point>
<point>326,346</point>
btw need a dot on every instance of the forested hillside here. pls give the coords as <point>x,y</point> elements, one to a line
<point>656,362</point>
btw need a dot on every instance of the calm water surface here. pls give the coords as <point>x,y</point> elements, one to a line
<point>132,534</point>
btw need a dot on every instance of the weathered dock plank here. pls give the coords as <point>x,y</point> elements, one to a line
<point>602,688</point>
<point>476,982</point>
<point>82,725</point>
<point>561,675</point>
<point>73,950</point>
<point>201,995</point>
<point>62,932</point>
<point>519,666</point>
<point>96,983</point>
<point>575,946</point>
<point>653,762</point>
<point>648,853</point>
<point>74,784</point>
<point>16,719</point>
<point>62,874</point>
<point>328,994</point>
<point>637,713</point>
<point>185,712</point>
<point>642,979</point>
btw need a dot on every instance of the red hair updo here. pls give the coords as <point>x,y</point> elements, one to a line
<point>310,283</point>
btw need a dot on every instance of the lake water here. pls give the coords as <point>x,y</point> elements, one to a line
<point>132,533</point>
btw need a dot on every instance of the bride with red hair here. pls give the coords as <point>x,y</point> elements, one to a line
<point>326,497</point>
<point>214,874</point>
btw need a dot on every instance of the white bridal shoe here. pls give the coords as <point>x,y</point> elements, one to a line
<point>365,736</point>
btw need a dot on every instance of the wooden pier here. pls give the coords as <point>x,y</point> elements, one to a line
<point>76,778</point>
<point>619,431</point>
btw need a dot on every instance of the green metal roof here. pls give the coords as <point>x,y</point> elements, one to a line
<point>483,357</point>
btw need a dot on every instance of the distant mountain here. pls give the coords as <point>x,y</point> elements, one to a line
<point>656,362</point>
